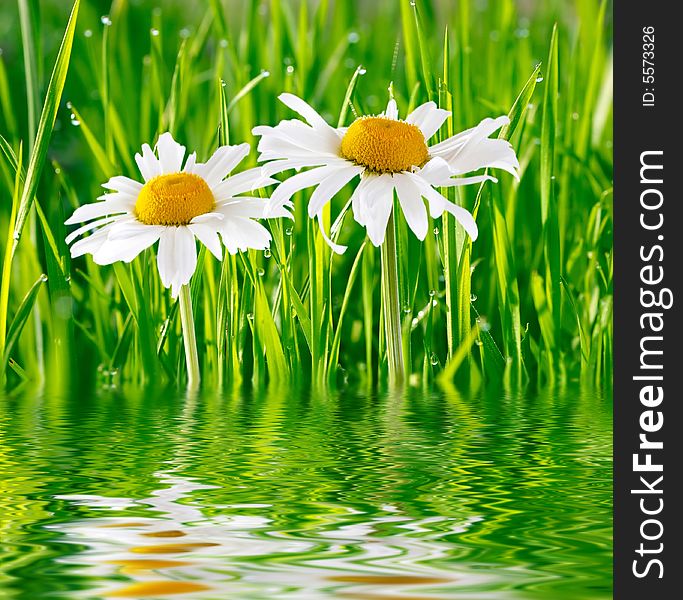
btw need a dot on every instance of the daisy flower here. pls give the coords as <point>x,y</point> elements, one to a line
<point>176,205</point>
<point>387,154</point>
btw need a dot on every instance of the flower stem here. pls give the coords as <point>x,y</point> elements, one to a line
<point>391,306</point>
<point>189,338</point>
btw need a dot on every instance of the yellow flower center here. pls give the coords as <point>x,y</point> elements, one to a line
<point>173,199</point>
<point>384,145</point>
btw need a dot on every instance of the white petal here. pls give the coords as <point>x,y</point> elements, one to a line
<point>339,249</point>
<point>90,244</point>
<point>125,249</point>
<point>294,139</point>
<point>87,212</point>
<point>473,150</point>
<point>304,109</point>
<point>176,258</point>
<point>392,110</point>
<point>207,234</point>
<point>223,160</point>
<point>190,163</point>
<point>429,118</point>
<point>298,182</point>
<point>148,163</point>
<point>329,186</point>
<point>412,205</point>
<point>438,173</point>
<point>439,203</point>
<point>251,208</point>
<point>171,153</point>
<point>92,225</point>
<point>378,200</point>
<point>277,166</point>
<point>241,234</point>
<point>246,181</point>
<point>121,183</point>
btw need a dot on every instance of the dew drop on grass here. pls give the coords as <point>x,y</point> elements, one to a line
<point>223,43</point>
<point>539,79</point>
<point>436,231</point>
<point>406,308</point>
<point>473,297</point>
<point>478,342</point>
<point>362,71</point>
<point>154,31</point>
<point>290,69</point>
<point>74,121</point>
<point>432,293</point>
<point>289,231</point>
<point>266,253</point>
<point>575,116</point>
<point>69,105</point>
<point>260,272</point>
<point>184,33</point>
<point>353,37</point>
<point>106,21</point>
<point>250,316</point>
<point>88,33</point>
<point>434,359</point>
<point>43,277</point>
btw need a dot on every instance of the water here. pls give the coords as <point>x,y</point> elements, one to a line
<point>295,496</point>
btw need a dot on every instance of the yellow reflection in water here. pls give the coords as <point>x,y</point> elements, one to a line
<point>156,588</point>
<point>170,548</point>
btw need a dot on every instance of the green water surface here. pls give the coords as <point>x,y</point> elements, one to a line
<point>289,495</point>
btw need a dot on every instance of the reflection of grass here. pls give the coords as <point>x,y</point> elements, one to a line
<point>539,276</point>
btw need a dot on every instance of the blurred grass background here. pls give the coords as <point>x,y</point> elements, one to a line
<point>530,302</point>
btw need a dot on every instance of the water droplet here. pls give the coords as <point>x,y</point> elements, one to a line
<point>434,359</point>
<point>266,253</point>
<point>250,316</point>
<point>575,116</point>
<point>223,84</point>
<point>184,33</point>
<point>260,272</point>
<point>16,235</point>
<point>57,170</point>
<point>362,71</point>
<point>436,231</point>
<point>154,31</point>
<point>415,323</point>
<point>406,308</point>
<point>412,2</point>
<point>74,121</point>
<point>88,33</point>
<point>223,43</point>
<point>106,21</point>
<point>478,342</point>
<point>473,297</point>
<point>69,105</point>
<point>539,79</point>
<point>290,69</point>
<point>43,277</point>
<point>265,73</point>
<point>289,231</point>
<point>353,37</point>
<point>432,293</point>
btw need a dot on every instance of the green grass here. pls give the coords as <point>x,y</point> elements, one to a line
<point>529,303</point>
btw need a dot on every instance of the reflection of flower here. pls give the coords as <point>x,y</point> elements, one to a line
<point>175,205</point>
<point>182,550</point>
<point>389,155</point>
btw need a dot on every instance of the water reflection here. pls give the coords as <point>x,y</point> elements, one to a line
<point>297,496</point>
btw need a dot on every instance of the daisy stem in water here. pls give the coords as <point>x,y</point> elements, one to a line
<point>189,338</point>
<point>392,307</point>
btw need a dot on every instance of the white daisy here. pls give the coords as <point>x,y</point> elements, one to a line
<point>175,205</point>
<point>389,155</point>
